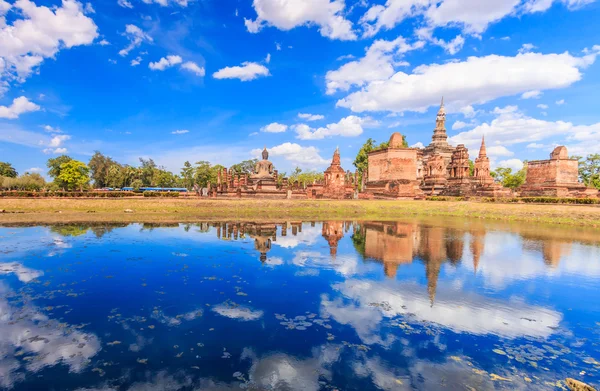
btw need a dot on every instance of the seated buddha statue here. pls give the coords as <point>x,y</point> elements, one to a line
<point>264,168</point>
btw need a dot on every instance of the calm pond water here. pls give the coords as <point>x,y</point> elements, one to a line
<point>298,306</point>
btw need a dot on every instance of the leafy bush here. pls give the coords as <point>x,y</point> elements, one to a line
<point>552,200</point>
<point>161,194</point>
<point>66,194</point>
<point>443,198</point>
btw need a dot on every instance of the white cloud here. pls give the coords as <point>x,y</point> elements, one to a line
<point>183,131</point>
<point>542,106</point>
<point>535,146</point>
<point>292,152</point>
<point>38,33</point>
<point>166,3</point>
<point>513,127</point>
<point>194,68</point>
<point>136,61</point>
<point>165,62</point>
<point>350,126</point>
<point>468,111</point>
<point>377,64</point>
<point>56,151</point>
<point>286,15</point>
<point>125,3</point>
<point>418,145</point>
<point>505,110</point>
<point>104,42</point>
<point>459,125</point>
<point>498,150</point>
<point>527,47</point>
<point>560,102</point>
<point>475,80</point>
<point>136,36</point>
<point>35,169</point>
<point>514,164</point>
<point>472,16</point>
<point>311,117</point>
<point>19,106</point>
<point>246,72</point>
<point>452,47</point>
<point>268,58</point>
<point>535,94</point>
<point>274,128</point>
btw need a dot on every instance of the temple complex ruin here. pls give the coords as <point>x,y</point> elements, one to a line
<point>440,169</point>
<point>400,172</point>
<point>555,177</point>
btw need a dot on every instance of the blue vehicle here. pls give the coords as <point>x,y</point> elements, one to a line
<point>160,189</point>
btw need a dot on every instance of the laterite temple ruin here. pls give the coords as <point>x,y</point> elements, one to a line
<point>399,172</point>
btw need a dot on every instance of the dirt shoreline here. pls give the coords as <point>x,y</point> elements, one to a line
<point>193,209</point>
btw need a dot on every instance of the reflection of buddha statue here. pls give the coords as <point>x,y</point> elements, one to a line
<point>264,168</point>
<point>263,245</point>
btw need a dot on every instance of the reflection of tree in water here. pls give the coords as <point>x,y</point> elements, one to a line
<point>69,230</point>
<point>359,239</point>
<point>74,230</point>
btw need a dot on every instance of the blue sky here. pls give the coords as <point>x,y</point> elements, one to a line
<point>217,80</point>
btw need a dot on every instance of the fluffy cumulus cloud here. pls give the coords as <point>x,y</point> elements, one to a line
<point>350,126</point>
<point>288,14</point>
<point>475,80</point>
<point>136,37</point>
<point>191,66</point>
<point>377,64</point>
<point>246,72</point>
<point>165,62</point>
<point>295,153</point>
<point>274,128</point>
<point>311,117</point>
<point>472,16</point>
<point>38,33</point>
<point>512,127</point>
<point>19,106</point>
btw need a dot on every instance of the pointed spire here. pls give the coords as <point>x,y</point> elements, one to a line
<point>442,105</point>
<point>482,150</point>
<point>336,158</point>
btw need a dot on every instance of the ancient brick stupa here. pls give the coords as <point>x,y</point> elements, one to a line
<point>393,171</point>
<point>483,183</point>
<point>556,177</point>
<point>337,184</point>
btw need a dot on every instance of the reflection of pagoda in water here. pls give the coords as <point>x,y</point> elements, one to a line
<point>333,232</point>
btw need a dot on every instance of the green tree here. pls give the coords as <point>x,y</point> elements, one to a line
<point>471,168</point>
<point>100,169</point>
<point>589,170</point>
<point>204,174</point>
<point>508,179</point>
<point>187,175</point>
<point>362,158</point>
<point>245,167</point>
<point>137,184</point>
<point>54,169</point>
<point>304,177</point>
<point>147,171</point>
<point>74,174</point>
<point>7,170</point>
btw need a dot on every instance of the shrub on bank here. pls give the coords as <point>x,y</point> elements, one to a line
<point>162,194</point>
<point>552,200</point>
<point>443,198</point>
<point>67,194</point>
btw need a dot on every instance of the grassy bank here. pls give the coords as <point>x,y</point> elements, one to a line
<point>189,210</point>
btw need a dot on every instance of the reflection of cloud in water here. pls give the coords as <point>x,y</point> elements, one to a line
<point>383,377</point>
<point>177,319</point>
<point>237,312</point>
<point>24,274</point>
<point>274,261</point>
<point>456,310</point>
<point>507,258</point>
<point>27,332</point>
<point>344,264</point>
<point>281,371</point>
<point>163,381</point>
<point>308,237</point>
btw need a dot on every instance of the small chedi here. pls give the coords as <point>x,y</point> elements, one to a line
<point>337,184</point>
<point>555,177</point>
